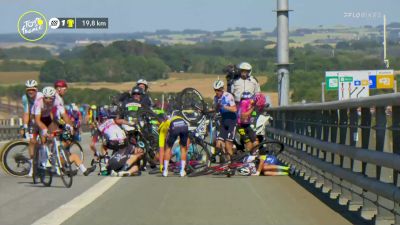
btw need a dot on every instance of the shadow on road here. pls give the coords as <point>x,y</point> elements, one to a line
<point>353,217</point>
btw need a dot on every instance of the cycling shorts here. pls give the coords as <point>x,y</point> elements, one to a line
<point>227,130</point>
<point>178,128</point>
<point>246,133</point>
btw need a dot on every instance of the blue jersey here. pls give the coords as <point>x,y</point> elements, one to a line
<point>225,100</point>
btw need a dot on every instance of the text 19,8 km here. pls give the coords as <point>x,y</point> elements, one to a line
<point>92,23</point>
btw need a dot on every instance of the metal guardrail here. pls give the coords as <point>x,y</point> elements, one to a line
<point>9,128</point>
<point>350,149</point>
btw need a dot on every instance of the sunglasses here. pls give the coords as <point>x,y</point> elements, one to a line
<point>31,89</point>
<point>49,98</point>
<point>135,94</point>
<point>218,90</point>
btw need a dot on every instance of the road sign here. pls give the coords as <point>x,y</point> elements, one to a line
<point>385,78</point>
<point>384,81</point>
<point>331,81</point>
<point>353,84</point>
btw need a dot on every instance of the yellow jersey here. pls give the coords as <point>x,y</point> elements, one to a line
<point>163,130</point>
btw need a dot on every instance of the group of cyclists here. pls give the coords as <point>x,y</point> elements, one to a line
<point>45,112</point>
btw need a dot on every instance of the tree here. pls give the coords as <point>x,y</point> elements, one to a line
<point>52,70</point>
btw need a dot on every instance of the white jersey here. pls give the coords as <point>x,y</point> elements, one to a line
<point>39,108</point>
<point>241,85</point>
<point>60,99</point>
<point>111,131</point>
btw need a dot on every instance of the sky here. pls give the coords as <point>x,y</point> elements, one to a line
<point>127,16</point>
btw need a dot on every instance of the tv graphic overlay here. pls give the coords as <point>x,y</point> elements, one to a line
<point>32,26</point>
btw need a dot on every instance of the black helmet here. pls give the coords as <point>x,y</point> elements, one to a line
<point>136,90</point>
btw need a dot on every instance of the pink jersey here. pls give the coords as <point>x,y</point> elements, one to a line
<point>111,131</point>
<point>39,108</point>
<point>244,106</point>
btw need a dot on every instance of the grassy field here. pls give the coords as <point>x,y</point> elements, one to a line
<point>28,61</point>
<point>175,83</point>
<point>7,78</point>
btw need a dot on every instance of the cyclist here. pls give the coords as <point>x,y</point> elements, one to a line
<point>131,105</point>
<point>146,99</point>
<point>76,118</point>
<point>91,119</point>
<point>169,131</point>
<point>246,107</point>
<point>267,165</point>
<point>225,104</point>
<point>115,139</point>
<point>46,110</point>
<point>61,88</point>
<point>28,99</point>
<point>246,82</point>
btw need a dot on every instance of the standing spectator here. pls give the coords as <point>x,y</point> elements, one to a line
<point>246,82</point>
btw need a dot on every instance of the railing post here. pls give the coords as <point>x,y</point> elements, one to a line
<point>356,200</point>
<point>384,214</point>
<point>369,208</point>
<point>396,150</point>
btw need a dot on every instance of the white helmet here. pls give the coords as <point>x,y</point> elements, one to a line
<point>49,92</point>
<point>31,84</point>
<point>142,81</point>
<point>218,84</point>
<point>244,171</point>
<point>245,66</point>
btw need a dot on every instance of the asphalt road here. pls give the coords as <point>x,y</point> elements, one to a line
<point>151,199</point>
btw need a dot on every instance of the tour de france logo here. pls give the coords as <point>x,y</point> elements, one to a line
<point>32,26</point>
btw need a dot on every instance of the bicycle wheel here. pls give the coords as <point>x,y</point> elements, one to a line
<point>192,105</point>
<point>268,147</point>
<point>15,158</point>
<point>76,148</point>
<point>201,171</point>
<point>35,164</point>
<point>198,157</point>
<point>45,175</point>
<point>65,167</point>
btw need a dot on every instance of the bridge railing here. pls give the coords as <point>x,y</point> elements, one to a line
<point>10,128</point>
<point>349,149</point>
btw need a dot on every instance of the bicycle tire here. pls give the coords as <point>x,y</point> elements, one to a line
<point>199,157</point>
<point>46,176</point>
<point>65,169</point>
<point>202,172</point>
<point>15,158</point>
<point>269,147</point>
<point>35,163</point>
<point>191,99</point>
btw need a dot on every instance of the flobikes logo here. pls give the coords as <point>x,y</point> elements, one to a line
<point>32,26</point>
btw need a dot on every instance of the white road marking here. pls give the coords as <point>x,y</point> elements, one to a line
<point>67,210</point>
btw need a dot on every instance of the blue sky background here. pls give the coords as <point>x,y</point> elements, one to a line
<point>150,15</point>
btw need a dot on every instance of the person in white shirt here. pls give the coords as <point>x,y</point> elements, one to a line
<point>246,82</point>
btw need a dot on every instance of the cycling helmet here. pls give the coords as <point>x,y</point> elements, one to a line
<point>31,84</point>
<point>49,92</point>
<point>218,84</point>
<point>93,107</point>
<point>136,90</point>
<point>260,100</point>
<point>244,171</point>
<point>142,81</point>
<point>60,83</point>
<point>67,107</point>
<point>244,66</point>
<point>247,95</point>
<point>103,113</point>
